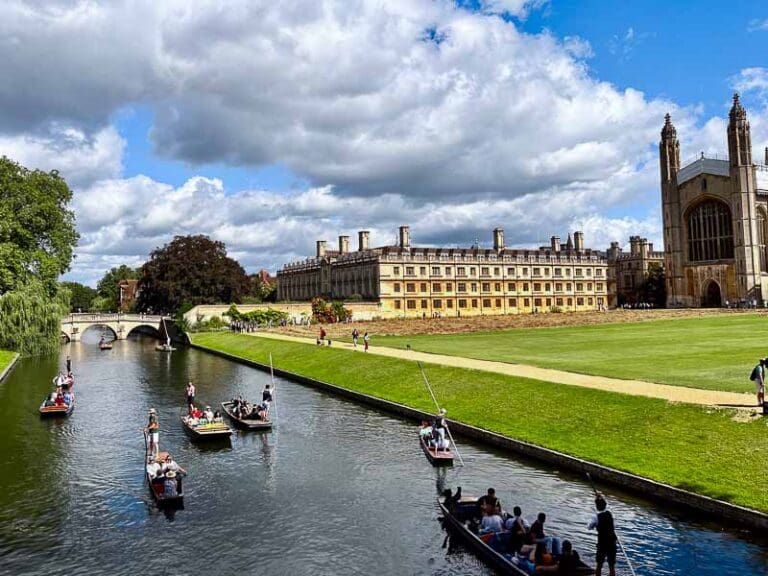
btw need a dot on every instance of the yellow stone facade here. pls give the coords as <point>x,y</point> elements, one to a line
<point>415,282</point>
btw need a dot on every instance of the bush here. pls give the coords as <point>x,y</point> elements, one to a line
<point>329,312</point>
<point>355,298</point>
<point>555,309</point>
<point>256,316</point>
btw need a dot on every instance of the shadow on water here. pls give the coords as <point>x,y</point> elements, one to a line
<point>334,488</point>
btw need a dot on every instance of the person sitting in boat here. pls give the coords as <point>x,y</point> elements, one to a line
<point>258,412</point>
<point>553,543</point>
<point>426,431</point>
<point>518,526</point>
<point>490,503</point>
<point>217,416</point>
<point>59,399</point>
<point>491,522</point>
<point>170,465</point>
<point>208,414</point>
<point>543,560</point>
<point>568,564</point>
<point>170,486</point>
<point>196,413</point>
<point>266,398</point>
<point>154,469</point>
<point>67,398</point>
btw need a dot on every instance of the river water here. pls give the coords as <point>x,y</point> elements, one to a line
<point>335,488</point>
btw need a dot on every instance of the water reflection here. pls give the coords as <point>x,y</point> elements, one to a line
<point>334,488</point>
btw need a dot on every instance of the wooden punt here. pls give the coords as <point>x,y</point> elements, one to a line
<point>164,348</point>
<point>105,345</point>
<point>206,432</point>
<point>245,423</point>
<point>157,485</point>
<point>63,410</point>
<point>436,457</point>
<point>493,549</point>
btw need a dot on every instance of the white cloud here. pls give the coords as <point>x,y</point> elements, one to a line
<point>757,25</point>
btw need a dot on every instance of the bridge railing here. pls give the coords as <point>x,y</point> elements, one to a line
<point>84,317</point>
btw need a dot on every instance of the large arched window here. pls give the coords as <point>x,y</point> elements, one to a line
<point>710,232</point>
<point>762,234</point>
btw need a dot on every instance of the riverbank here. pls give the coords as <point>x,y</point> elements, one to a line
<point>7,361</point>
<point>704,451</point>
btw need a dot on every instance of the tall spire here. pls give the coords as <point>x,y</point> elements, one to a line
<point>739,137</point>
<point>669,150</point>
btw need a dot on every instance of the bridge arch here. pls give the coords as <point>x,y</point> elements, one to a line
<point>145,329</point>
<point>102,328</point>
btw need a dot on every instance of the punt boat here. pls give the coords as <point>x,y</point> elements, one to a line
<point>105,345</point>
<point>164,348</point>
<point>206,432</point>
<point>245,423</point>
<point>436,457</point>
<point>62,410</point>
<point>157,485</point>
<point>493,549</point>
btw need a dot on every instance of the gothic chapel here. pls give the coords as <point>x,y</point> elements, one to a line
<point>715,214</point>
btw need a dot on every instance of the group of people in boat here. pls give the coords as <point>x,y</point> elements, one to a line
<point>527,545</point>
<point>197,417</point>
<point>166,471</point>
<point>244,410</point>
<point>62,395</point>
<point>434,432</point>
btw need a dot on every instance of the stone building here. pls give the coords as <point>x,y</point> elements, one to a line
<point>715,213</point>
<point>412,281</point>
<point>628,271</point>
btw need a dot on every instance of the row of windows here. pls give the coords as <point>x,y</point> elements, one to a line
<point>462,303</point>
<point>410,287</point>
<point>486,271</point>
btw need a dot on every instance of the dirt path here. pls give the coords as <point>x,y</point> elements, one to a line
<point>633,387</point>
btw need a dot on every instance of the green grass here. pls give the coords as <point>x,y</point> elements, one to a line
<point>5,359</point>
<point>681,445</point>
<point>713,353</point>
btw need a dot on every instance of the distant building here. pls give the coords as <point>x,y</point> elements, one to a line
<point>128,294</point>
<point>411,281</point>
<point>715,214</point>
<point>628,271</point>
<point>264,277</point>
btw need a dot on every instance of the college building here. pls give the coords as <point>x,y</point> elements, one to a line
<point>407,280</point>
<point>715,213</point>
<point>629,271</point>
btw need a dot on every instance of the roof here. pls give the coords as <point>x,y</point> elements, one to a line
<point>704,165</point>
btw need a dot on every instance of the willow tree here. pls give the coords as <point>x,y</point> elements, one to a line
<point>37,240</point>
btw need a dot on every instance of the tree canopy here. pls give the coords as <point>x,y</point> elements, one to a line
<point>37,228</point>
<point>80,296</point>
<point>190,270</point>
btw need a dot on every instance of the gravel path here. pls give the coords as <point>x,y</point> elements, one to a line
<point>633,387</point>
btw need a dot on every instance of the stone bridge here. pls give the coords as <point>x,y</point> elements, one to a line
<point>121,325</point>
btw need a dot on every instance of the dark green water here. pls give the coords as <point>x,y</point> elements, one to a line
<point>335,489</point>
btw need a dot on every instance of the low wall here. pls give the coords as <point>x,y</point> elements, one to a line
<point>297,310</point>
<point>4,373</point>
<point>650,489</point>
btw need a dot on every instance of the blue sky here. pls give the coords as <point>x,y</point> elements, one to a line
<point>271,125</point>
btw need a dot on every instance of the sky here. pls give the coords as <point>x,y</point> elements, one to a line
<point>269,125</point>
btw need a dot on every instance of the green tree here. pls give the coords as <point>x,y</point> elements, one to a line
<point>262,291</point>
<point>107,287</point>
<point>190,270</point>
<point>654,289</point>
<point>80,296</point>
<point>37,228</point>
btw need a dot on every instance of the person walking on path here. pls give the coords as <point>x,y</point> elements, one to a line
<point>607,540</point>
<point>758,377</point>
<point>190,393</point>
<point>355,336</point>
<point>366,338</point>
<point>153,429</point>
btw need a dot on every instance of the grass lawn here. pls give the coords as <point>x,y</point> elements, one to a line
<point>5,359</point>
<point>715,353</point>
<point>681,445</point>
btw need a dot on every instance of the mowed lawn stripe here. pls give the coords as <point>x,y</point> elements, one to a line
<point>712,353</point>
<point>702,450</point>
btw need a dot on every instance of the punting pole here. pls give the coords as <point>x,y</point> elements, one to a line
<point>272,376</point>
<point>424,375</point>
<point>618,540</point>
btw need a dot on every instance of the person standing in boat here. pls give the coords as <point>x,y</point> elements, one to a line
<point>153,429</point>
<point>266,398</point>
<point>438,425</point>
<point>607,540</point>
<point>190,393</point>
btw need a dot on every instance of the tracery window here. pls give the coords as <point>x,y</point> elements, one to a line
<point>761,235</point>
<point>710,232</point>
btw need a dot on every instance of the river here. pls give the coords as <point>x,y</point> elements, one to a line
<point>335,488</point>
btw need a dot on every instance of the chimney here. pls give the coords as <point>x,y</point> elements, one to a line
<point>405,237</point>
<point>363,237</point>
<point>578,241</point>
<point>343,244</point>
<point>555,242</point>
<point>644,247</point>
<point>321,248</point>
<point>650,247</point>
<point>498,239</point>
